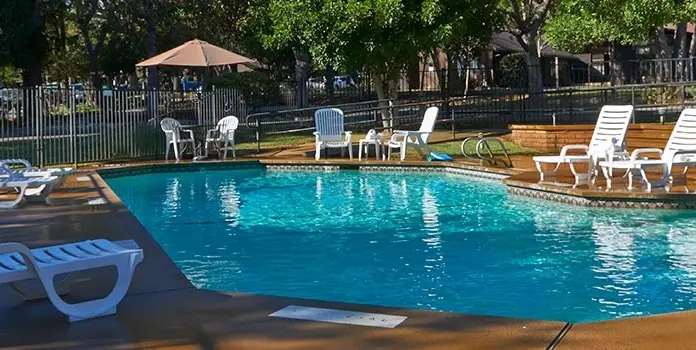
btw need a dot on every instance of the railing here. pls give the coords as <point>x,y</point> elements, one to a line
<point>378,115</point>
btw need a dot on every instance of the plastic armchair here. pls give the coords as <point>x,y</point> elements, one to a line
<point>172,131</point>
<point>222,134</point>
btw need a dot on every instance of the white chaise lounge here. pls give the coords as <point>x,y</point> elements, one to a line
<point>27,170</point>
<point>38,187</point>
<point>329,123</point>
<point>18,263</point>
<point>680,151</point>
<point>611,127</point>
<point>402,139</point>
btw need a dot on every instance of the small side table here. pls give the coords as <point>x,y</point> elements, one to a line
<point>366,143</point>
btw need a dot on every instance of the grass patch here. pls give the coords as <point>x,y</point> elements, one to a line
<point>453,148</point>
<point>279,141</point>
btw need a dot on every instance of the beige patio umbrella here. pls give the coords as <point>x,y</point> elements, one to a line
<point>195,53</point>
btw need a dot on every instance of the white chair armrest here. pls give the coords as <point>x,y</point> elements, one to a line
<point>349,135</point>
<point>317,135</point>
<point>209,133</point>
<point>567,148</point>
<point>637,152</point>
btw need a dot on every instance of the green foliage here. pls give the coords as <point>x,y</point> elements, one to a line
<point>256,87</point>
<point>62,110</point>
<point>662,95</point>
<point>577,23</point>
<point>513,71</point>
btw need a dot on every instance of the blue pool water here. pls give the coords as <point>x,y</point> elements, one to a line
<point>426,241</point>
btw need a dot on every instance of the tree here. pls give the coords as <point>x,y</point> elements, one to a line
<point>578,23</point>
<point>22,39</point>
<point>461,32</point>
<point>524,19</point>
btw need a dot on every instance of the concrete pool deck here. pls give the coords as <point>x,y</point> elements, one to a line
<point>163,310</point>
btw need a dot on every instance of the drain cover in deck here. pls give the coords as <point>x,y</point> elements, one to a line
<point>339,316</point>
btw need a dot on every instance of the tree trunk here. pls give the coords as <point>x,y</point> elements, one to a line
<point>152,74</point>
<point>620,69</point>
<point>466,79</point>
<point>692,45</point>
<point>301,76</point>
<point>32,74</point>
<point>679,49</point>
<point>662,69</point>
<point>486,66</point>
<point>378,82</point>
<point>534,79</point>
<point>439,63</point>
<point>329,80</point>
<point>93,64</point>
<point>453,81</point>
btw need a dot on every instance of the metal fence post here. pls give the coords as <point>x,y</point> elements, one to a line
<point>633,103</point>
<point>39,124</point>
<point>391,116</point>
<point>258,135</point>
<point>446,103</point>
<point>73,128</point>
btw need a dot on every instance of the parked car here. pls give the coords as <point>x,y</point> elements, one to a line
<point>79,92</point>
<point>315,83</point>
<point>342,82</point>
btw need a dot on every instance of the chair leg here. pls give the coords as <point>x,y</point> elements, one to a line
<point>176,151</point>
<point>317,151</point>
<point>350,151</point>
<point>166,152</point>
<point>95,308</point>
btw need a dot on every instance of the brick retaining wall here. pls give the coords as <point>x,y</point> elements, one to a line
<point>550,138</point>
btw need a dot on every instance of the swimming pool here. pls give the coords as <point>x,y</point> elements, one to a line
<point>416,240</point>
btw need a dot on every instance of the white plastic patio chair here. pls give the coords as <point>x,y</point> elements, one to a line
<point>26,169</point>
<point>680,150</point>
<point>18,263</point>
<point>172,130</point>
<point>223,135</point>
<point>329,124</point>
<point>417,139</point>
<point>611,127</point>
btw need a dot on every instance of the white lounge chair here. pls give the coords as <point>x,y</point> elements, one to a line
<point>611,126</point>
<point>417,139</point>
<point>18,263</point>
<point>329,124</point>
<point>27,170</point>
<point>172,131</point>
<point>223,135</point>
<point>680,151</point>
<point>38,187</point>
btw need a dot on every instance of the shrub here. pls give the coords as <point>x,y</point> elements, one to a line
<point>257,88</point>
<point>512,72</point>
